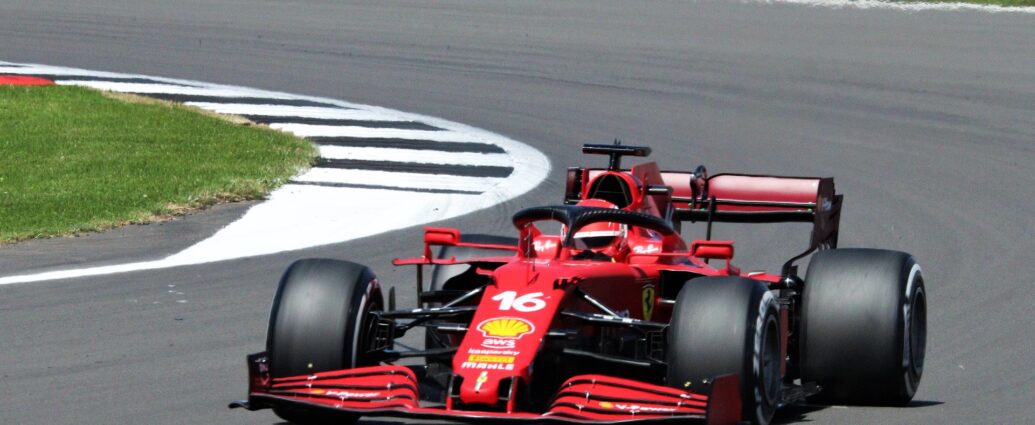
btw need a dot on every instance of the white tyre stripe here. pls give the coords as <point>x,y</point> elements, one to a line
<point>400,180</point>
<point>309,130</point>
<point>415,156</point>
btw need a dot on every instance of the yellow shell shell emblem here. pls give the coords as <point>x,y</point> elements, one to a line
<point>505,327</point>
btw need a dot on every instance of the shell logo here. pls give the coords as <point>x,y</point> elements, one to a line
<point>505,327</point>
<point>607,405</point>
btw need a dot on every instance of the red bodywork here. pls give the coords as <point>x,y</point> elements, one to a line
<point>540,291</point>
<point>393,391</point>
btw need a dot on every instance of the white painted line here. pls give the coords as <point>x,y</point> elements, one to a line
<point>288,221</point>
<point>415,156</point>
<point>303,216</point>
<point>309,130</point>
<point>55,70</point>
<point>903,6</point>
<point>400,180</point>
<point>92,271</point>
<point>297,111</point>
<point>143,88</point>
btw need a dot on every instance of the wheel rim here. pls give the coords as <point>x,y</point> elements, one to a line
<point>917,334</point>
<point>366,339</point>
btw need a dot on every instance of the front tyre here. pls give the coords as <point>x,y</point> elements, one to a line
<point>728,325</point>
<point>320,322</point>
<point>864,326</point>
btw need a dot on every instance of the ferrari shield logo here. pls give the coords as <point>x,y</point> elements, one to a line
<point>648,301</point>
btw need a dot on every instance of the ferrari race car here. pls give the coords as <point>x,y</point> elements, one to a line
<point>599,312</point>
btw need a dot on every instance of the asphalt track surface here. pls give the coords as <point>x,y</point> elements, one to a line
<point>927,120</point>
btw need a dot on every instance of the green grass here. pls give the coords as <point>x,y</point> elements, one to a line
<point>988,2</point>
<point>73,160</point>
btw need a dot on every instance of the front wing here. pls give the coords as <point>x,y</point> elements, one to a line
<point>394,391</point>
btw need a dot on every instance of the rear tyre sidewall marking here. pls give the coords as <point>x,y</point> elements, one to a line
<point>914,311</point>
<point>766,362</point>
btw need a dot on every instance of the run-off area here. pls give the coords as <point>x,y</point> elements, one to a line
<point>378,169</point>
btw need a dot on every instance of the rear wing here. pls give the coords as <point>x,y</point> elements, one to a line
<point>736,198</point>
<point>745,198</point>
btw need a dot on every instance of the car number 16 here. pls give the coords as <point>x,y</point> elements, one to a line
<point>526,303</point>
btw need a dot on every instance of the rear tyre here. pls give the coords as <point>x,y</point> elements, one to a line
<point>864,326</point>
<point>727,325</point>
<point>320,322</point>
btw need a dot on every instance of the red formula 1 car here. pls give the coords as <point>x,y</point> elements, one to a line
<point>610,318</point>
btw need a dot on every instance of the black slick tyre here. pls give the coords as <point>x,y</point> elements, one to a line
<point>864,326</point>
<point>319,322</point>
<point>727,325</point>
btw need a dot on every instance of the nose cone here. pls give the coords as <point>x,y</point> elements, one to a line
<point>505,334</point>
<point>496,348</point>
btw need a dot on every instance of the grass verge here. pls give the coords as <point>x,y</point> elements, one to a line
<point>73,159</point>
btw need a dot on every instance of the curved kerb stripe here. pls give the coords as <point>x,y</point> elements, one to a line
<point>371,159</point>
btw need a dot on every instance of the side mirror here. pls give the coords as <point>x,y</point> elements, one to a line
<point>713,250</point>
<point>717,250</point>
<point>439,236</point>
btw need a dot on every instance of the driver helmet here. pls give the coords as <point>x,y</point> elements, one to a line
<point>603,236</point>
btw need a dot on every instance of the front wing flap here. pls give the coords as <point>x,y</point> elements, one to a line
<point>393,391</point>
